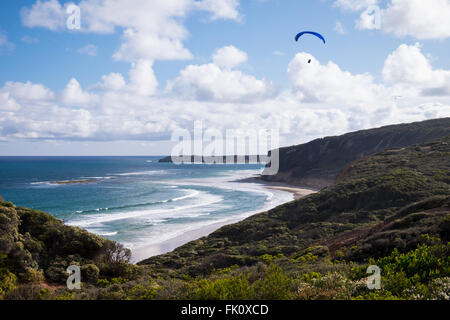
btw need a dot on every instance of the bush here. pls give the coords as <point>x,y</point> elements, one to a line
<point>90,273</point>
<point>231,288</point>
<point>276,285</point>
<point>8,281</point>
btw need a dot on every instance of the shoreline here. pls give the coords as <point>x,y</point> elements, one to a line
<point>156,249</point>
<point>298,191</point>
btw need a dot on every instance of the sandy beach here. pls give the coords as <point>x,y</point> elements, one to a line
<point>143,253</point>
<point>297,192</point>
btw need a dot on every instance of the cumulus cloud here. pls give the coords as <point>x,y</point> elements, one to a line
<point>416,18</point>
<point>113,82</point>
<point>143,45</point>
<point>328,83</point>
<point>142,78</point>
<point>217,81</point>
<point>221,9</point>
<point>209,82</point>
<point>46,14</point>
<point>229,57</point>
<point>74,95</point>
<point>408,66</point>
<point>28,91</point>
<point>31,111</point>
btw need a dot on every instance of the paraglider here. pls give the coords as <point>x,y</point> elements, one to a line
<point>318,35</point>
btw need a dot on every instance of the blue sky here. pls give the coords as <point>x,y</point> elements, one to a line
<point>262,29</point>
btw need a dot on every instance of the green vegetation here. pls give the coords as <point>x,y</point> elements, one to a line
<point>37,248</point>
<point>390,209</point>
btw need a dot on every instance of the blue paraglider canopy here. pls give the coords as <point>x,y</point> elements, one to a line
<point>310,32</point>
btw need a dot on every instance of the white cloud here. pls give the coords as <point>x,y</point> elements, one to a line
<point>28,91</point>
<point>7,103</point>
<point>416,18</point>
<point>408,66</point>
<point>90,50</point>
<point>218,82</point>
<point>328,83</point>
<point>113,82</point>
<point>229,57</point>
<point>209,82</point>
<point>46,14</point>
<point>30,111</point>
<point>322,100</point>
<point>142,78</point>
<point>220,9</point>
<point>73,95</point>
<point>143,45</point>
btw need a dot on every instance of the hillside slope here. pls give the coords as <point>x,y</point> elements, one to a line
<point>35,247</point>
<point>371,192</point>
<point>317,163</point>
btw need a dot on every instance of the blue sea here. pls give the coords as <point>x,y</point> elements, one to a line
<point>148,206</point>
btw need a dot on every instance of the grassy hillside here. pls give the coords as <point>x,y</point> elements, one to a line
<point>317,163</point>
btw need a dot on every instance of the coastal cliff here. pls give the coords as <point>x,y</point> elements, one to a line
<point>317,163</point>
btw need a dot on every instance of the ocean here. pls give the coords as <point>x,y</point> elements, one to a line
<point>148,206</point>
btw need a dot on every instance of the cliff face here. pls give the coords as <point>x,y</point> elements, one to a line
<point>317,163</point>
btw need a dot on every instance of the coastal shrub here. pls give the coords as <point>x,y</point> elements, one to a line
<point>230,288</point>
<point>24,292</point>
<point>118,280</point>
<point>103,283</point>
<point>90,273</point>
<point>332,286</point>
<point>8,281</point>
<point>275,285</point>
<point>149,291</point>
<point>113,260</point>
<point>410,274</point>
<point>33,275</point>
